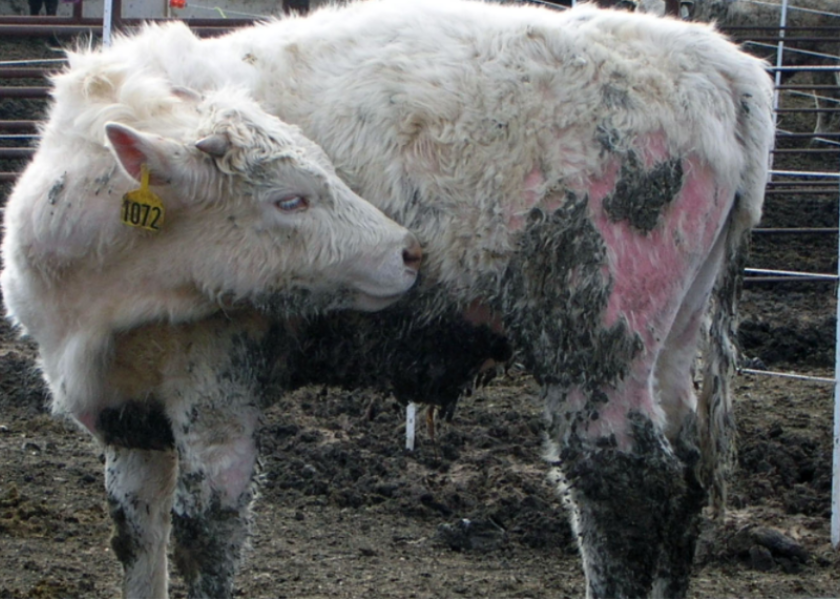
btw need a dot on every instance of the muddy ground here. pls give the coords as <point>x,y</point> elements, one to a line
<point>345,512</point>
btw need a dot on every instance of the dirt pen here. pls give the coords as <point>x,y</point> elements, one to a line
<point>345,511</point>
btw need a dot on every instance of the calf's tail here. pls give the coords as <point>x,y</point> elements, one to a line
<point>716,420</point>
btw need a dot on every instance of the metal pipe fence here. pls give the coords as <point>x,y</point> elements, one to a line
<point>807,69</point>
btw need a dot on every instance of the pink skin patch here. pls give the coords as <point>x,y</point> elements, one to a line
<point>236,471</point>
<point>478,314</point>
<point>633,392</point>
<point>653,149</point>
<point>88,420</point>
<point>515,211</point>
<point>650,272</point>
<point>230,465</point>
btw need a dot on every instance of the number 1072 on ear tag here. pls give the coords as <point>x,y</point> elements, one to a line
<point>142,207</point>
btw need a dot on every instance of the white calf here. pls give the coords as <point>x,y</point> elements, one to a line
<point>234,207</point>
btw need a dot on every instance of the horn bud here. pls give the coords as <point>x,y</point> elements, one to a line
<point>216,145</point>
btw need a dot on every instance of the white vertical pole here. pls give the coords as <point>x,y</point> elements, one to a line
<point>780,50</point>
<point>410,425</point>
<point>835,477</point>
<point>107,19</point>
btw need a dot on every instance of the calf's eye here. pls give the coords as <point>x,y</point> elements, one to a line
<point>291,204</point>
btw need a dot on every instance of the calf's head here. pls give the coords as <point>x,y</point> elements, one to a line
<point>264,211</point>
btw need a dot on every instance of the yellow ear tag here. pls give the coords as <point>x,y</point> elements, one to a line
<point>143,208</point>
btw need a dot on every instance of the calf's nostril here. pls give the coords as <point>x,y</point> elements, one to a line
<point>413,255</point>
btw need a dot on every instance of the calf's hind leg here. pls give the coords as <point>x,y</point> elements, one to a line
<point>619,474</point>
<point>593,329</point>
<point>631,475</point>
<point>621,495</point>
<point>689,425</point>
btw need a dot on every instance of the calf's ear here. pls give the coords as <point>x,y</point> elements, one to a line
<point>134,148</point>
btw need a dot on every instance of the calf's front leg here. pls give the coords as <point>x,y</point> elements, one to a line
<point>211,515</point>
<point>140,473</point>
<point>140,486</point>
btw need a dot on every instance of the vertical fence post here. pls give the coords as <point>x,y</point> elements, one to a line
<point>107,21</point>
<point>780,50</point>
<point>835,472</point>
<point>410,425</point>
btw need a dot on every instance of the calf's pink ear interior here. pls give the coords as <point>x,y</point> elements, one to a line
<point>133,148</point>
